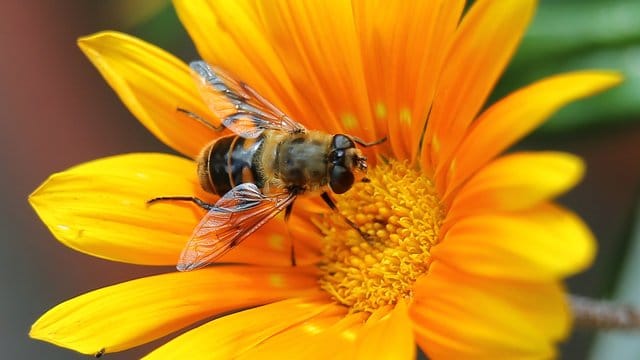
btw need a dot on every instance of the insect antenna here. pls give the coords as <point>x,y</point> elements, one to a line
<point>366,144</point>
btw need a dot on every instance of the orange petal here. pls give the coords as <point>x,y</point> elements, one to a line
<point>390,337</point>
<point>281,48</point>
<point>403,45</point>
<point>122,316</point>
<point>543,243</point>
<point>460,316</point>
<point>515,182</point>
<point>378,80</point>
<point>234,36</point>
<point>483,44</point>
<point>152,84</point>
<point>511,118</point>
<point>306,340</point>
<point>318,44</point>
<point>232,335</point>
<point>100,208</point>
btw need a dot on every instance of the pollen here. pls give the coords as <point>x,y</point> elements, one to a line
<point>399,215</point>
<point>380,110</point>
<point>405,116</point>
<point>276,242</point>
<point>349,121</point>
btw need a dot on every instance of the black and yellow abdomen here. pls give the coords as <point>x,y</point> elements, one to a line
<point>230,161</point>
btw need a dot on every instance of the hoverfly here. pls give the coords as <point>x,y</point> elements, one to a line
<point>260,170</point>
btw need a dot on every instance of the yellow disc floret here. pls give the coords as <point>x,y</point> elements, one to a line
<point>400,215</point>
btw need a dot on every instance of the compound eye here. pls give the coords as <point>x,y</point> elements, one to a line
<point>340,141</point>
<point>341,179</point>
<point>336,157</point>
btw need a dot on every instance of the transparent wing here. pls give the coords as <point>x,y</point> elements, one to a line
<point>240,108</point>
<point>240,212</point>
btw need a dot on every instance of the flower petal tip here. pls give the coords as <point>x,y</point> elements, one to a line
<point>607,78</point>
<point>579,239</point>
<point>35,199</point>
<point>574,167</point>
<point>587,255</point>
<point>42,332</point>
<point>88,43</point>
<point>83,40</point>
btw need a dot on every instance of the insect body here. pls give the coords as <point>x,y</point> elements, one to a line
<point>261,169</point>
<point>301,162</point>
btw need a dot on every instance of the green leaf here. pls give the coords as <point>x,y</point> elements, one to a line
<point>576,35</point>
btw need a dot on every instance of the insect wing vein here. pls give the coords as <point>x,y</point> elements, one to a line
<point>239,107</point>
<point>239,213</point>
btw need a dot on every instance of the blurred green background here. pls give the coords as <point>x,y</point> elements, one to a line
<point>58,112</point>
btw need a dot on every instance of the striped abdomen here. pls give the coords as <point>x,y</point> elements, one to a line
<point>230,161</point>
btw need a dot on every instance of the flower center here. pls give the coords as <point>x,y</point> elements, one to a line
<point>401,215</point>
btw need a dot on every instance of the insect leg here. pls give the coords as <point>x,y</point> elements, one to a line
<point>327,199</point>
<point>193,199</point>
<point>366,144</point>
<point>287,214</point>
<point>201,120</point>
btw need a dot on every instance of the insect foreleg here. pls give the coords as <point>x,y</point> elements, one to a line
<point>193,199</point>
<point>287,214</point>
<point>201,120</point>
<point>327,199</point>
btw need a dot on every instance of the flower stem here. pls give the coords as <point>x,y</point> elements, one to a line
<point>602,314</point>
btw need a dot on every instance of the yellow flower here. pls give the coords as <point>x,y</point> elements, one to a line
<point>468,250</point>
